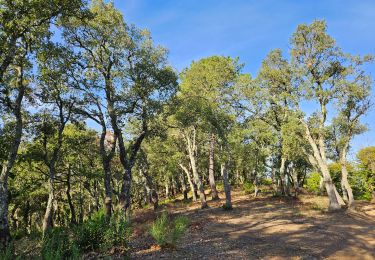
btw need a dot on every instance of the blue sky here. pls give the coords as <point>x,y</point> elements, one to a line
<point>193,29</point>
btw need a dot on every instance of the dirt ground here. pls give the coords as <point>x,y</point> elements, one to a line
<point>264,228</point>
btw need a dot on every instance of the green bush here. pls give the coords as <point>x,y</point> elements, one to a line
<point>118,231</point>
<point>312,183</point>
<point>166,233</point>
<point>90,234</point>
<point>361,185</point>
<point>58,244</point>
<point>220,187</point>
<point>248,188</point>
<point>266,182</point>
<point>100,233</point>
<point>7,253</point>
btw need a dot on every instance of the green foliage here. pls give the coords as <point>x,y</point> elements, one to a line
<point>312,182</point>
<point>219,186</point>
<point>166,233</point>
<point>248,188</point>
<point>100,233</point>
<point>58,244</point>
<point>266,182</point>
<point>97,233</point>
<point>7,254</point>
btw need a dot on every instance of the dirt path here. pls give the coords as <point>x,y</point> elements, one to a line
<point>267,228</point>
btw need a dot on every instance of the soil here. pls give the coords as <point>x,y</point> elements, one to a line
<point>263,228</point>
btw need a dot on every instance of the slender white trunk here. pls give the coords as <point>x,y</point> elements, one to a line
<point>211,174</point>
<point>192,150</point>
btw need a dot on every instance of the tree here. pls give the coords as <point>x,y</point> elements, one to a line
<point>319,67</point>
<point>206,89</point>
<point>366,157</point>
<point>134,75</point>
<point>354,102</point>
<point>23,25</point>
<point>56,94</point>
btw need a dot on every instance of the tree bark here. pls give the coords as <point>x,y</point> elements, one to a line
<point>192,185</point>
<point>7,166</point>
<point>282,176</point>
<point>192,151</point>
<point>47,221</point>
<point>69,198</point>
<point>228,198</point>
<point>150,187</point>
<point>211,173</point>
<point>51,162</point>
<point>344,178</point>
<point>319,156</point>
<point>184,188</point>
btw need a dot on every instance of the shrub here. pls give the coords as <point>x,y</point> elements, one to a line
<point>58,244</point>
<point>90,234</point>
<point>118,231</point>
<point>248,188</point>
<point>220,187</point>
<point>100,233</point>
<point>7,253</point>
<point>266,182</point>
<point>312,183</point>
<point>168,233</point>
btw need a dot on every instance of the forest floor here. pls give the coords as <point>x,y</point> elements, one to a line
<point>263,228</point>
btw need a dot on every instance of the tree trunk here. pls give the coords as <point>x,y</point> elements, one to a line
<point>191,184</point>
<point>124,198</point>
<point>7,166</point>
<point>151,190</point>
<point>282,176</point>
<point>211,173</point>
<point>274,181</point>
<point>107,187</point>
<point>192,150</point>
<point>224,173</point>
<point>48,215</point>
<point>319,156</point>
<point>344,179</point>
<point>69,198</point>
<point>184,188</point>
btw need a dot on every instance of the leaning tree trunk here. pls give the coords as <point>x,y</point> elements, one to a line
<point>211,173</point>
<point>48,215</point>
<point>320,158</point>
<point>7,166</point>
<point>228,198</point>
<point>344,178</point>
<point>191,184</point>
<point>192,150</point>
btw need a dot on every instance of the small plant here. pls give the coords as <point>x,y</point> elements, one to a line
<point>219,187</point>
<point>166,233</point>
<point>118,231</point>
<point>248,188</point>
<point>102,233</point>
<point>7,253</point>
<point>57,244</point>
<point>90,234</point>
